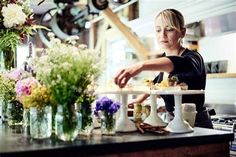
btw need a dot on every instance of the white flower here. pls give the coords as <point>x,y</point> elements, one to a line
<point>51,35</point>
<point>82,46</point>
<point>13,15</point>
<point>71,70</point>
<point>72,39</point>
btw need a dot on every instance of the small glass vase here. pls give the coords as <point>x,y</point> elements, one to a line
<point>108,124</point>
<point>66,123</point>
<point>40,122</point>
<point>26,122</point>
<point>1,113</point>
<point>14,113</point>
<point>9,57</point>
<point>87,119</point>
<point>4,111</point>
<point>87,125</point>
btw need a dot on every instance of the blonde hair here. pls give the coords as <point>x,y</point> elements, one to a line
<point>172,18</point>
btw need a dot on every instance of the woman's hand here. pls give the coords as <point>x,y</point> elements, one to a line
<point>139,99</point>
<point>124,75</point>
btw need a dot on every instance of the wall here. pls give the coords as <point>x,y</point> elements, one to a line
<point>192,10</point>
<point>220,90</point>
<point>220,48</point>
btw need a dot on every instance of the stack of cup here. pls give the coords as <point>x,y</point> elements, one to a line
<point>137,113</point>
<point>189,113</point>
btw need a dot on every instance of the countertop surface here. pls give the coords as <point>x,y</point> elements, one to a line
<point>14,143</point>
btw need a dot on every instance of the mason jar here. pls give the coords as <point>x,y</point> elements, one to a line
<point>108,123</point>
<point>40,122</point>
<point>14,113</point>
<point>67,122</point>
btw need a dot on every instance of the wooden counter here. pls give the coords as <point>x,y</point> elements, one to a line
<point>201,142</point>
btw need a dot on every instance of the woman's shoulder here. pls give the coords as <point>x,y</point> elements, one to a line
<point>189,52</point>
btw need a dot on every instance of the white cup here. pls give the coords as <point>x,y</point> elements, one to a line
<point>189,113</point>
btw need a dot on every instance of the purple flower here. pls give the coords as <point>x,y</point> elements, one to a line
<point>113,108</point>
<point>107,105</point>
<point>103,104</point>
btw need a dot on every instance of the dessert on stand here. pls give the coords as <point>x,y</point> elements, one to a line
<point>177,125</point>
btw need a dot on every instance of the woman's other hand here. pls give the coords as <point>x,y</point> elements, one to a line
<point>139,99</point>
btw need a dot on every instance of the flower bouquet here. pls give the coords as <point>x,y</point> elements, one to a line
<point>16,23</point>
<point>24,88</point>
<point>85,109</point>
<point>68,69</point>
<point>12,107</point>
<point>37,99</point>
<point>108,109</point>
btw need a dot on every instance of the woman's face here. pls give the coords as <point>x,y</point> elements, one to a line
<point>167,36</point>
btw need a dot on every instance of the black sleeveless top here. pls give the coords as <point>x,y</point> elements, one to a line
<point>190,69</point>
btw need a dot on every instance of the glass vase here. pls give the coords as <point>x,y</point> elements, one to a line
<point>4,111</point>
<point>40,122</point>
<point>66,123</point>
<point>14,113</point>
<point>86,125</point>
<point>26,122</point>
<point>87,119</point>
<point>9,57</point>
<point>108,124</point>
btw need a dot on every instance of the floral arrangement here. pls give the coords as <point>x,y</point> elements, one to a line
<point>39,97</point>
<point>8,82</point>
<point>68,69</point>
<point>16,23</point>
<point>7,89</point>
<point>27,90</point>
<point>108,107</point>
<point>15,74</point>
<point>85,109</point>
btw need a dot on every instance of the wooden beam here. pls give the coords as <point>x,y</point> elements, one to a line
<point>101,37</point>
<point>92,35</point>
<point>115,22</point>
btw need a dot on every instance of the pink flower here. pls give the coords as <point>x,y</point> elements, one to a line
<point>14,75</point>
<point>24,87</point>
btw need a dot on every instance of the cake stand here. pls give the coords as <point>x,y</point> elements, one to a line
<point>153,119</point>
<point>178,124</point>
<point>123,123</point>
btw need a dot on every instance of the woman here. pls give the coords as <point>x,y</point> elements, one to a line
<point>178,61</point>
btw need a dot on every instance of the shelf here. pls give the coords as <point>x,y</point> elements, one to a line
<point>221,75</point>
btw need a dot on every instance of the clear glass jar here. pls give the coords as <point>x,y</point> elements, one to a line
<point>40,122</point>
<point>1,113</point>
<point>4,111</point>
<point>87,125</point>
<point>14,113</point>
<point>26,122</point>
<point>67,122</point>
<point>108,123</point>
